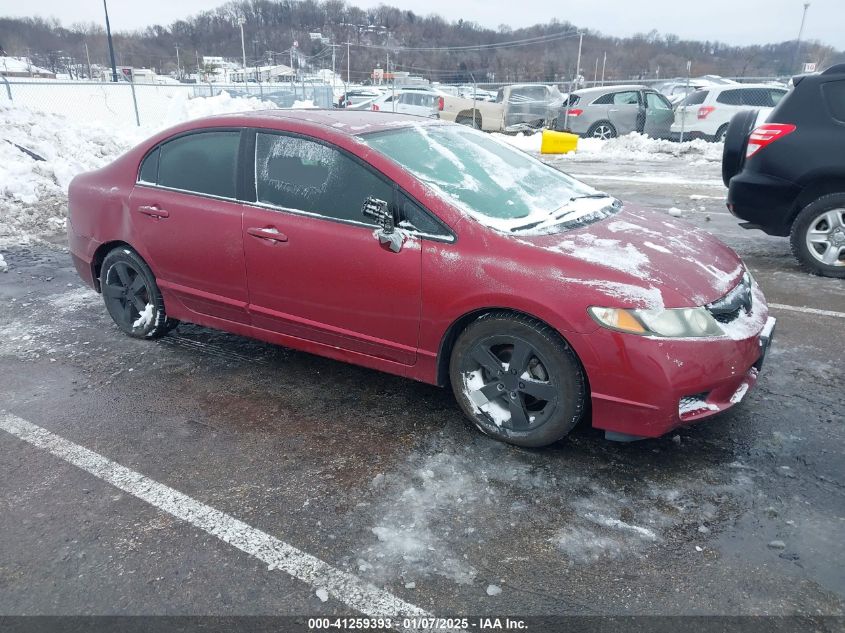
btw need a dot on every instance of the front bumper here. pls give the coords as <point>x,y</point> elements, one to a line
<point>646,386</point>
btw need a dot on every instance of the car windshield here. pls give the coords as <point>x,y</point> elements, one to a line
<point>498,185</point>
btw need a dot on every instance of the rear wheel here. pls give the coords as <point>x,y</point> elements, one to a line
<point>131,295</point>
<point>818,236</point>
<point>602,130</point>
<point>468,119</point>
<point>517,380</point>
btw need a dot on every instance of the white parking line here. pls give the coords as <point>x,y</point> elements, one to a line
<point>345,587</point>
<point>830,313</point>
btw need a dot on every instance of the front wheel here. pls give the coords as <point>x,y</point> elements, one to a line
<point>818,236</point>
<point>131,295</point>
<point>719,136</point>
<point>517,380</point>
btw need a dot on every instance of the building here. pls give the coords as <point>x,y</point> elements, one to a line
<point>263,74</point>
<point>23,67</point>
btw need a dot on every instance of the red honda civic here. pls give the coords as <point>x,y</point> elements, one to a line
<point>428,250</point>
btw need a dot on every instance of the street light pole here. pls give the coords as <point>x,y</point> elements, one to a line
<point>800,34</point>
<point>111,45</point>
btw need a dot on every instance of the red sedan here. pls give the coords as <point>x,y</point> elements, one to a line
<point>431,251</point>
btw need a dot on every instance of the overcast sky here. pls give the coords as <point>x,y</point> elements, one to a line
<point>732,21</point>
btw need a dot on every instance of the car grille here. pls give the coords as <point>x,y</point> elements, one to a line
<point>737,301</point>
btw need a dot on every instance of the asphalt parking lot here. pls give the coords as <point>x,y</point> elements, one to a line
<point>304,479</point>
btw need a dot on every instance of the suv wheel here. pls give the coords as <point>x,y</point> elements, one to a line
<point>602,130</point>
<point>517,380</point>
<point>719,136</point>
<point>818,236</point>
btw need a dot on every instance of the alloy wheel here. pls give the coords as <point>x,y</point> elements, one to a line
<point>127,296</point>
<point>603,132</point>
<point>825,237</point>
<point>508,382</point>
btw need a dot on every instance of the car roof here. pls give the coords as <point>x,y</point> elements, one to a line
<point>738,86</point>
<point>605,89</point>
<point>347,122</point>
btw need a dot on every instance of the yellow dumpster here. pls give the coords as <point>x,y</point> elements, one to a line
<point>558,142</point>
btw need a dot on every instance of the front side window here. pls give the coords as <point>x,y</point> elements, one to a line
<point>757,97</point>
<point>303,175</point>
<point>204,163</point>
<point>500,186</point>
<point>655,101</point>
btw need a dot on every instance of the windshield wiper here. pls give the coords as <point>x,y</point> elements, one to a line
<point>599,194</point>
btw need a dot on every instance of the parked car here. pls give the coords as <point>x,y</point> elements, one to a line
<point>517,108</point>
<point>678,90</point>
<point>409,101</point>
<point>357,95</point>
<point>706,112</point>
<point>615,110</point>
<point>787,176</point>
<point>431,251</point>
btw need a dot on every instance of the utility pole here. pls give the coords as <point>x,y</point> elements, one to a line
<point>603,64</point>
<point>111,44</point>
<point>178,65</point>
<point>348,79</point>
<point>197,55</point>
<point>796,58</point>
<point>88,57</point>
<point>243,50</point>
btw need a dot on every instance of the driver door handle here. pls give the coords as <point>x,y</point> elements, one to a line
<point>153,211</point>
<point>267,233</point>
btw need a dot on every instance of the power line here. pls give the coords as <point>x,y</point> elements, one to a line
<point>540,39</point>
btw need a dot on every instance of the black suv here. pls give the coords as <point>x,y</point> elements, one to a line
<point>787,175</point>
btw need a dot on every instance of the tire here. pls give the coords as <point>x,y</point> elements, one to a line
<point>736,140</point>
<point>132,298</point>
<point>719,136</point>
<point>534,408</point>
<point>603,130</point>
<point>818,236</point>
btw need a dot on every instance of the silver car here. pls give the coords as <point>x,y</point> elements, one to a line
<point>615,110</point>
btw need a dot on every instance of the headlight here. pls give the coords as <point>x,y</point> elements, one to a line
<point>674,322</point>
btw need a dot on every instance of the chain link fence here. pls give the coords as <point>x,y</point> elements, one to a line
<point>679,108</point>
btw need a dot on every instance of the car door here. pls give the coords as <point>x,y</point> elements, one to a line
<point>187,222</point>
<point>659,115</point>
<point>316,269</point>
<point>625,111</point>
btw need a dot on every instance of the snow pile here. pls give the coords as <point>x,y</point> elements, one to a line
<point>631,147</point>
<point>41,152</point>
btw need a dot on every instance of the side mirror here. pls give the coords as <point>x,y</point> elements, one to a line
<point>379,211</point>
<point>387,234</point>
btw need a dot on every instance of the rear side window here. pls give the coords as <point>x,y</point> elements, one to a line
<point>603,100</point>
<point>299,174</point>
<point>834,96</point>
<point>695,98</point>
<point>204,163</point>
<point>757,97</point>
<point>777,95</point>
<point>149,168</point>
<point>730,97</point>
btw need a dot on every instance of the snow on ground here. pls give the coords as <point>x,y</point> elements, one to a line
<point>33,186</point>
<point>632,147</point>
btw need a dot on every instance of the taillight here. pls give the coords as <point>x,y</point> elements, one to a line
<point>703,111</point>
<point>440,103</point>
<point>574,112</point>
<point>375,107</point>
<point>765,135</point>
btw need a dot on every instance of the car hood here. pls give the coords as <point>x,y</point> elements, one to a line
<point>639,258</point>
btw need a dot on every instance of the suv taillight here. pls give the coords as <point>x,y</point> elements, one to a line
<point>440,103</point>
<point>703,111</point>
<point>765,135</point>
<point>574,112</point>
<point>375,107</point>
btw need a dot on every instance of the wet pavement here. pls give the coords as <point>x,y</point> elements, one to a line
<point>383,478</point>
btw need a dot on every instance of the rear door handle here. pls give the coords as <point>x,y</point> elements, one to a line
<point>267,233</point>
<point>153,211</point>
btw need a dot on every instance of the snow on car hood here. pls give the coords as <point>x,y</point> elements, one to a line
<point>641,258</point>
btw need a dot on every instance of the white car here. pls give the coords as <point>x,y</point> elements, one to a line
<point>409,101</point>
<point>706,112</point>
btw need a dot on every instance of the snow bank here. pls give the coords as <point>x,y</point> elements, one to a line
<point>34,183</point>
<point>632,147</point>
